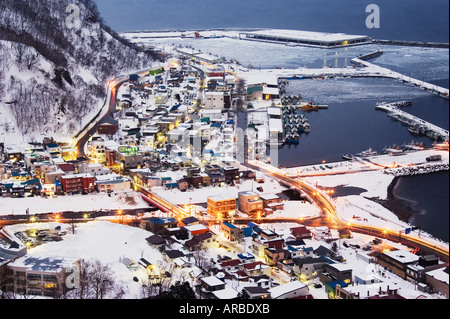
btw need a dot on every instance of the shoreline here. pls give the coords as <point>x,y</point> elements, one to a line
<point>404,209</point>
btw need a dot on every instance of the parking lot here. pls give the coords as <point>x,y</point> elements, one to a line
<point>35,237</point>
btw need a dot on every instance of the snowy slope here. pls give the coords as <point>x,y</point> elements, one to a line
<point>53,76</point>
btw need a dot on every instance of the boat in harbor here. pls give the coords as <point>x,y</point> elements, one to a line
<point>367,153</point>
<point>441,146</point>
<point>309,107</point>
<point>415,146</point>
<point>306,128</point>
<point>348,157</point>
<point>394,115</point>
<point>417,129</point>
<point>393,150</point>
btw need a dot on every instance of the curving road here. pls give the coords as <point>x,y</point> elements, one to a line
<point>325,202</point>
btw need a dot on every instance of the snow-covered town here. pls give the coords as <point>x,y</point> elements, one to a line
<point>174,181</point>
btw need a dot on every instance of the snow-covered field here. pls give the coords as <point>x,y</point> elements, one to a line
<point>68,203</point>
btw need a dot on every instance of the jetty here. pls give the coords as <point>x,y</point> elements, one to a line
<point>431,130</point>
<point>412,43</point>
<point>384,72</point>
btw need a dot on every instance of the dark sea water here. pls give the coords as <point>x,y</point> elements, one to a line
<point>351,124</point>
<point>417,20</point>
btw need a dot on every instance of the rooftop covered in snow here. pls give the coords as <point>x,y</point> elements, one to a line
<point>306,38</point>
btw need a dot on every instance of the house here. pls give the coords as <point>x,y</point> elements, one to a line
<point>231,266</point>
<point>213,169</point>
<point>301,232</point>
<point>171,255</point>
<point>112,182</point>
<point>145,263</point>
<point>256,268</point>
<point>272,201</point>
<point>263,281</point>
<point>366,278</point>
<point>307,268</point>
<point>250,203</point>
<point>336,271</point>
<point>330,287</point>
<point>217,179</point>
<point>97,150</point>
<point>266,234</point>
<point>189,221</point>
<point>274,255</point>
<point>397,261</point>
<point>156,241</point>
<point>145,178</point>
<point>289,290</point>
<point>107,128</point>
<point>195,229</point>
<point>232,175</point>
<point>212,283</point>
<point>158,225</point>
<point>201,241</point>
<point>246,257</point>
<point>52,176</point>
<point>231,232</point>
<point>93,169</point>
<point>300,251</point>
<point>324,252</point>
<point>257,292</point>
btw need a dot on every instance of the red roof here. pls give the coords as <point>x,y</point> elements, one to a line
<point>232,262</point>
<point>300,230</point>
<point>67,167</point>
<point>254,265</point>
<point>240,274</point>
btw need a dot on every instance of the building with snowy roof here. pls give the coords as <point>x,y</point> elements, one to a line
<point>438,279</point>
<point>377,290</point>
<point>397,261</point>
<point>41,276</point>
<point>289,290</point>
<point>306,38</point>
<point>212,283</point>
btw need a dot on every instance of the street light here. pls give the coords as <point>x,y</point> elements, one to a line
<point>120,213</point>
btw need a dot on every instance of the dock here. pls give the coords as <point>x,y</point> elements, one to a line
<point>431,130</point>
<point>403,78</point>
<point>412,43</point>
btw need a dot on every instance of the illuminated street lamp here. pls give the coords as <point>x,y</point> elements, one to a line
<point>120,213</point>
<point>33,219</point>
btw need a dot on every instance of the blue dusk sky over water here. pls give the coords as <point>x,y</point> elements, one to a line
<point>413,20</point>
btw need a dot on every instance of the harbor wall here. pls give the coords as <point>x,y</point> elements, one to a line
<point>412,43</point>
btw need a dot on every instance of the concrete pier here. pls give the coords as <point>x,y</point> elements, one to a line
<point>405,79</point>
<point>393,108</point>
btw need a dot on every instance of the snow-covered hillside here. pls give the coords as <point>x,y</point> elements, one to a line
<point>55,58</point>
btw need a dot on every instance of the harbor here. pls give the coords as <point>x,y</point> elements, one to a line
<point>417,126</point>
